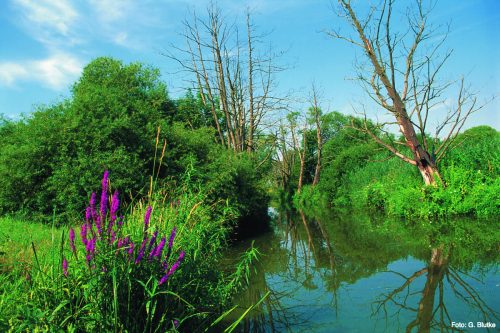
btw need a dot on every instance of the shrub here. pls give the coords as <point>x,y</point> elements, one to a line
<point>110,122</point>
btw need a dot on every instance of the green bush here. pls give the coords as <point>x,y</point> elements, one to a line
<point>118,118</point>
<point>48,159</point>
<point>469,170</point>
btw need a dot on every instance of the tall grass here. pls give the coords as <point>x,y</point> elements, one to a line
<point>122,281</point>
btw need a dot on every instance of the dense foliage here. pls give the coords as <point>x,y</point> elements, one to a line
<point>357,173</point>
<point>119,117</point>
<point>154,268</point>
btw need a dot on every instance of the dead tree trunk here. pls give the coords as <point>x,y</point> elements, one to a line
<point>235,79</point>
<point>435,274</point>
<point>292,119</point>
<point>317,120</point>
<point>402,80</point>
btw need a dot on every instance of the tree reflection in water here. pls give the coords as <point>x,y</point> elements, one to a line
<point>311,269</point>
<point>439,275</point>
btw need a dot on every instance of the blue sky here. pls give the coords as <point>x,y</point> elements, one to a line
<point>44,44</point>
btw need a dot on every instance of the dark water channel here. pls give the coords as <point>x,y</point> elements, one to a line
<point>362,274</point>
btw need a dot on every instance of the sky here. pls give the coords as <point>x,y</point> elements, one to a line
<point>44,45</point>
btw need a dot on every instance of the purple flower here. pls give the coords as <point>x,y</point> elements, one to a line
<point>177,263</point>
<point>90,247</point>
<point>147,216</point>
<point>172,269</point>
<point>131,249</point>
<point>72,239</point>
<point>115,203</point>
<point>65,267</point>
<point>151,242</point>
<point>163,279</point>
<point>93,211</point>
<point>88,214</point>
<point>83,234</point>
<point>120,222</point>
<point>98,224</point>
<point>172,236</point>
<point>141,251</point>
<point>158,250</point>
<point>104,195</point>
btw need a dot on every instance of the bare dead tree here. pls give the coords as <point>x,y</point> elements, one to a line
<point>402,78</point>
<point>235,79</point>
<point>316,116</point>
<point>284,158</point>
<point>299,148</point>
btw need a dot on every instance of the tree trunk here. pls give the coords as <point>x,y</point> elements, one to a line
<point>318,162</point>
<point>250,87</point>
<point>302,155</point>
<point>436,271</point>
<point>421,158</point>
<point>423,161</point>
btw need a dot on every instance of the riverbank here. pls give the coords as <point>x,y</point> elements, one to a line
<point>153,266</point>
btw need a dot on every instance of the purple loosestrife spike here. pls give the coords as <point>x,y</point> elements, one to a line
<point>172,269</point>
<point>93,211</point>
<point>147,216</point>
<point>131,250</point>
<point>153,239</point>
<point>72,240</point>
<point>163,279</point>
<point>115,203</point>
<point>88,214</point>
<point>65,267</point>
<point>98,224</point>
<point>159,248</point>
<point>164,264</point>
<point>104,195</point>
<point>176,264</point>
<point>83,233</point>
<point>91,247</point>
<point>141,251</point>
<point>172,237</point>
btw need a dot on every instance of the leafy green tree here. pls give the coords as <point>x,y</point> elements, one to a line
<point>50,158</point>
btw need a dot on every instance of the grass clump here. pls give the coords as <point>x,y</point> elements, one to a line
<point>152,268</point>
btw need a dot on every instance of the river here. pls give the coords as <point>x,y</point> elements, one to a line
<point>360,273</point>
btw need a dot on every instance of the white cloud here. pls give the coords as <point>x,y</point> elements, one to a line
<point>111,10</point>
<point>121,38</point>
<point>55,16</point>
<point>10,72</point>
<point>55,72</point>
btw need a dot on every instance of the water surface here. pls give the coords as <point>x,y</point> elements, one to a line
<point>356,273</point>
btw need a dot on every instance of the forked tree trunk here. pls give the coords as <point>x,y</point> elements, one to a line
<point>436,271</point>
<point>423,161</point>
<point>421,158</point>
